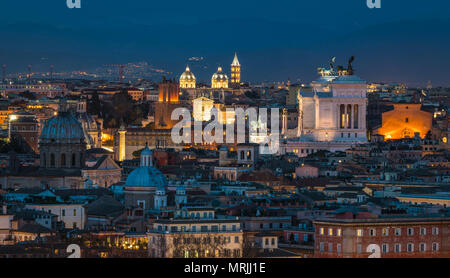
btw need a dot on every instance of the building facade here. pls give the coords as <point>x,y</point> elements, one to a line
<point>383,238</point>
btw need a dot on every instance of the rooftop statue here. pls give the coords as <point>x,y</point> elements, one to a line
<point>328,72</point>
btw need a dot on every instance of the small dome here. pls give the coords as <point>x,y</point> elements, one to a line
<point>219,76</point>
<point>187,75</point>
<point>64,127</point>
<point>146,177</point>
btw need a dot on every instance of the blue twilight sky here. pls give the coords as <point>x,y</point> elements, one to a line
<point>405,41</point>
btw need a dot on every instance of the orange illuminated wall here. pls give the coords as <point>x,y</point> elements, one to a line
<point>169,91</point>
<point>404,121</point>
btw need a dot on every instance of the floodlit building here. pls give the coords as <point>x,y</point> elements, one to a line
<point>235,72</point>
<point>219,79</point>
<point>333,115</point>
<point>187,79</point>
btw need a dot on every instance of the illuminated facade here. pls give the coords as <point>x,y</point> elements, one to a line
<point>235,72</point>
<point>195,233</point>
<point>187,79</point>
<point>404,121</point>
<point>332,116</point>
<point>219,79</point>
<point>202,107</point>
<point>169,92</point>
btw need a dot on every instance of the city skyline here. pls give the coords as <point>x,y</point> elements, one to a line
<point>401,42</point>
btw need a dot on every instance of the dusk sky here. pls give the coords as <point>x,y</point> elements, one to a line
<point>404,41</point>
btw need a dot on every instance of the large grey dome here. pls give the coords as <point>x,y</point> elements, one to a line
<point>62,128</point>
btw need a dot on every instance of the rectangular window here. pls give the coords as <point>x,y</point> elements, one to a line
<point>385,231</point>
<point>398,231</point>
<point>339,232</point>
<point>410,231</point>
<point>410,247</point>
<point>236,239</point>
<point>322,247</point>
<point>359,249</point>
<point>74,212</point>
<point>330,232</point>
<point>373,232</point>
<point>330,247</point>
<point>63,212</point>
<point>435,231</point>
<point>322,231</point>
<point>338,248</point>
<point>435,247</point>
<point>359,232</point>
<point>423,247</point>
<point>423,231</point>
<point>398,248</point>
<point>385,248</point>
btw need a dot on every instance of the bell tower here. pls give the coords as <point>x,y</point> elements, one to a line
<point>235,72</point>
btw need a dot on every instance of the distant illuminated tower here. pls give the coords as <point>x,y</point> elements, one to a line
<point>219,79</point>
<point>168,91</point>
<point>187,79</point>
<point>235,72</point>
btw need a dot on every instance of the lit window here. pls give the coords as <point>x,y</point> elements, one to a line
<point>385,231</point>
<point>339,232</point>
<point>322,231</point>
<point>359,232</point>
<point>330,232</point>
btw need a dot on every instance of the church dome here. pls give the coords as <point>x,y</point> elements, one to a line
<point>219,76</point>
<point>62,128</point>
<point>187,79</point>
<point>187,75</point>
<point>146,177</point>
<point>219,79</point>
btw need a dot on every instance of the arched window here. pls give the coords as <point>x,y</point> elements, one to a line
<point>63,160</point>
<point>52,160</point>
